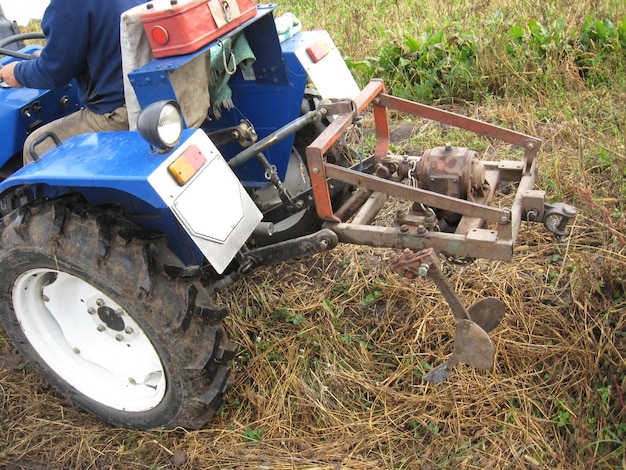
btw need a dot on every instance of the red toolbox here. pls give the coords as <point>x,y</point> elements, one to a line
<point>176,27</point>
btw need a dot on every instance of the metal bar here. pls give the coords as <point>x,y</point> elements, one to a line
<point>530,144</point>
<point>450,243</point>
<point>317,168</point>
<point>369,93</point>
<point>440,201</point>
<point>275,137</point>
<point>381,127</point>
<point>452,298</point>
<point>370,209</point>
<point>527,182</point>
<point>353,204</point>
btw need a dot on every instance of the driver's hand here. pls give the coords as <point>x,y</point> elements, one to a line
<point>7,75</point>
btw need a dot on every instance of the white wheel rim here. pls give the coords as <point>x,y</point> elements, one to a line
<point>89,340</point>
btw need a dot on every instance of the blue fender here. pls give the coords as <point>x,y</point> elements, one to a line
<point>107,168</point>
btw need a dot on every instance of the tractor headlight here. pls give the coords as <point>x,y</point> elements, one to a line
<point>161,125</point>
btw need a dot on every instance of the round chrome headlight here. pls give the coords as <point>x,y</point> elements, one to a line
<point>161,124</point>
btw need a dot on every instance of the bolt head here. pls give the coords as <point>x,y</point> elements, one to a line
<point>422,271</point>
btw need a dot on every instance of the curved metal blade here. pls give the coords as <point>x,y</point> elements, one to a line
<point>439,374</point>
<point>487,313</point>
<point>472,346</point>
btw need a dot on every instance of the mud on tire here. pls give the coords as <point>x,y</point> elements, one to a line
<point>102,312</point>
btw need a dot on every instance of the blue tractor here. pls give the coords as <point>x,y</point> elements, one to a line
<point>113,244</point>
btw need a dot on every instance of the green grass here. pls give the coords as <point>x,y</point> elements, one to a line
<point>464,51</point>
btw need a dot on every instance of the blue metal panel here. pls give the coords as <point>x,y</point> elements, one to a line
<point>269,101</point>
<point>111,160</point>
<point>24,109</point>
<point>108,168</point>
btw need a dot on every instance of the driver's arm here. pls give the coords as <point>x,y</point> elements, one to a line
<point>66,26</point>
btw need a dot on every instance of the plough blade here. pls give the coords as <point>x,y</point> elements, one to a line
<point>472,346</point>
<point>487,313</point>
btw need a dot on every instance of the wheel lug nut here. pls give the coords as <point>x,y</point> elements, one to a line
<point>101,328</point>
<point>128,330</point>
<point>119,337</point>
<point>91,311</point>
<point>99,302</point>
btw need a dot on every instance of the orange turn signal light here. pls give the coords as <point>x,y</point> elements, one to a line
<point>187,165</point>
<point>318,50</point>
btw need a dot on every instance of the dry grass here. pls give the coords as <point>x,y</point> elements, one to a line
<point>332,351</point>
<point>341,388</point>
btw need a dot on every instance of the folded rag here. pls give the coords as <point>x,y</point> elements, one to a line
<point>226,56</point>
<point>287,25</point>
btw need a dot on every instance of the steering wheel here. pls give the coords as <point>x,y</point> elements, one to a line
<point>16,38</point>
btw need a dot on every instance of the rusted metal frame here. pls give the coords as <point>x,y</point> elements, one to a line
<point>372,90</point>
<point>471,245</point>
<point>528,143</point>
<point>315,152</point>
<point>429,198</point>
<point>370,209</point>
<point>317,169</point>
<point>381,124</point>
<point>526,183</point>
<point>495,172</point>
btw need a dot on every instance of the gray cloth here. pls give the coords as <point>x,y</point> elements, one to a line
<point>190,82</point>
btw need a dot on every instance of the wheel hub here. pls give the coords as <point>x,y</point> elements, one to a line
<point>111,318</point>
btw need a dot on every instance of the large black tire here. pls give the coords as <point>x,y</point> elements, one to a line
<point>109,317</point>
